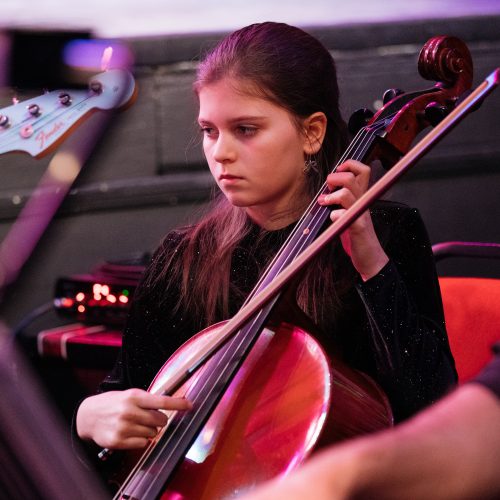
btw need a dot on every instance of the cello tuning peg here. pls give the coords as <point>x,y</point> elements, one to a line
<point>359,119</point>
<point>390,94</point>
<point>435,112</point>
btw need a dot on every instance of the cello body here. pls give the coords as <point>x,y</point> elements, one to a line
<point>287,398</point>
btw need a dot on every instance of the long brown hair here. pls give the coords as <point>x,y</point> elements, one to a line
<point>294,70</point>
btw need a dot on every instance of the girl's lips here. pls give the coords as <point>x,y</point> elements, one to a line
<point>228,180</point>
<point>228,177</point>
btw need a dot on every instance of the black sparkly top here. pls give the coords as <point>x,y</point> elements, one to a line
<point>391,327</point>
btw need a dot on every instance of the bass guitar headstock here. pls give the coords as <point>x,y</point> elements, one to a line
<point>36,126</point>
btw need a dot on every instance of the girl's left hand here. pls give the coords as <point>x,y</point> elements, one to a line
<point>360,242</point>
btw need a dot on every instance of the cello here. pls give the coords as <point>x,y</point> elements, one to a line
<point>246,425</point>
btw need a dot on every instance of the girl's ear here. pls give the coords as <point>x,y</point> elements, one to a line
<point>314,127</point>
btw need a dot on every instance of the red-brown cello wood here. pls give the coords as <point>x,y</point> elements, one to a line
<point>269,395</point>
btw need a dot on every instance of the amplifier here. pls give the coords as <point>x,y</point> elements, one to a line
<point>100,297</point>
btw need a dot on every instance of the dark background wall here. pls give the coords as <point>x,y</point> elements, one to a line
<point>147,174</point>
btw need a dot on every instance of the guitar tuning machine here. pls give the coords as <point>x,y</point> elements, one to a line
<point>34,109</point>
<point>96,86</point>
<point>64,99</point>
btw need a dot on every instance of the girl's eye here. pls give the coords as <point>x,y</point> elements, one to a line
<point>245,130</point>
<point>208,131</point>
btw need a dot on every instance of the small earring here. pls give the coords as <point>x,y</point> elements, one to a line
<point>310,165</point>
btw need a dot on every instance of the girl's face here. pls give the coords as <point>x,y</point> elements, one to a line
<point>255,153</point>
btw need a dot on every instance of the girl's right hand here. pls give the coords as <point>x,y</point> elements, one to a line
<point>125,419</point>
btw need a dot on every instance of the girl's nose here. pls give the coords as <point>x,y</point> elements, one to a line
<point>224,149</point>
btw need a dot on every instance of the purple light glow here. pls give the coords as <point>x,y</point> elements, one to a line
<point>88,55</point>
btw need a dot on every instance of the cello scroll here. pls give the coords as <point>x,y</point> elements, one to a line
<point>443,59</point>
